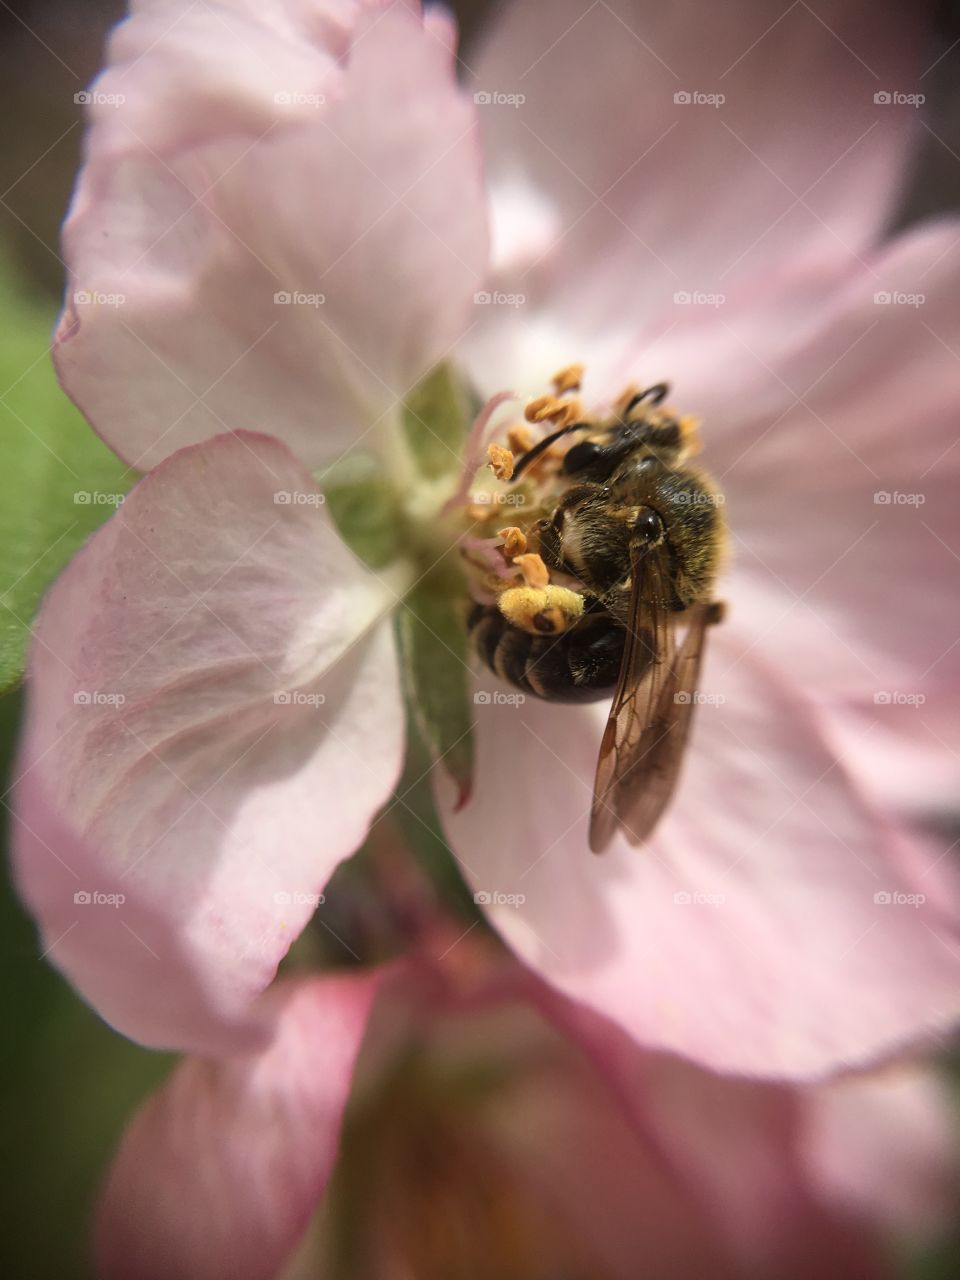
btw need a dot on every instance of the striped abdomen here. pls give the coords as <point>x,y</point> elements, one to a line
<point>579,665</point>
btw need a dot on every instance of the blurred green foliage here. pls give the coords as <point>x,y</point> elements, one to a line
<point>68,1084</point>
<point>67,1080</point>
<point>58,481</point>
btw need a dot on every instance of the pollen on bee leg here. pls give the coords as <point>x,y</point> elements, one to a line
<point>535,572</point>
<point>567,379</point>
<point>501,461</point>
<point>541,610</point>
<point>514,541</point>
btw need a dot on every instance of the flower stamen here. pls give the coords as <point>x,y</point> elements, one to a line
<point>567,379</point>
<point>514,542</point>
<point>560,411</point>
<point>535,572</point>
<point>501,461</point>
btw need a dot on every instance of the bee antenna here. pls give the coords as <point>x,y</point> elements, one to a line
<point>532,454</point>
<point>655,394</point>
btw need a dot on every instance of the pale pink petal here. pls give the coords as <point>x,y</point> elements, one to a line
<point>291,258</point>
<point>904,749</point>
<point>795,171</point>
<point>214,717</point>
<point>650,1157</point>
<point>728,1145</point>
<point>886,1145</point>
<point>740,1143</point>
<point>219,1173</point>
<point>748,935</point>
<point>841,497</point>
<point>160,69</point>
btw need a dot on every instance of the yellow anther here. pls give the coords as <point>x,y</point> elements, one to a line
<point>568,379</point>
<point>514,541</point>
<point>520,438</point>
<point>553,409</point>
<point>535,572</point>
<point>501,461</point>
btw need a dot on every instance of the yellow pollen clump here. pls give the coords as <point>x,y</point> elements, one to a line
<point>541,610</point>
<point>535,572</point>
<point>501,461</point>
<point>568,379</point>
<point>514,541</point>
<point>553,409</point>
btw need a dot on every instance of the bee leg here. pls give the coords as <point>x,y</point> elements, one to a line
<point>717,612</point>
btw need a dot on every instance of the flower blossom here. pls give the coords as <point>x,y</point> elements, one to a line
<point>466,1071</point>
<point>306,213</point>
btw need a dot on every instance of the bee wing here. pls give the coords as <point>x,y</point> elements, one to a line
<point>645,736</point>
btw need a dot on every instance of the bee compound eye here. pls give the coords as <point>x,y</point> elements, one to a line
<point>647,524</point>
<point>581,456</point>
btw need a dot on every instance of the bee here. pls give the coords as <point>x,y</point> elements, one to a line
<point>638,534</point>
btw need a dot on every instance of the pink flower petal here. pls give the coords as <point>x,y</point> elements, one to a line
<point>907,753</point>
<point>219,1173</point>
<point>841,497</point>
<point>214,718</point>
<point>886,1145</point>
<point>795,170</point>
<point>161,73</point>
<point>288,247</point>
<point>731,1145</point>
<point>748,935</point>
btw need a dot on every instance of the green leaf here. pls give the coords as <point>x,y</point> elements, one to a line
<point>433,651</point>
<point>419,825</point>
<point>364,507</point>
<point>58,481</point>
<point>435,419</point>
